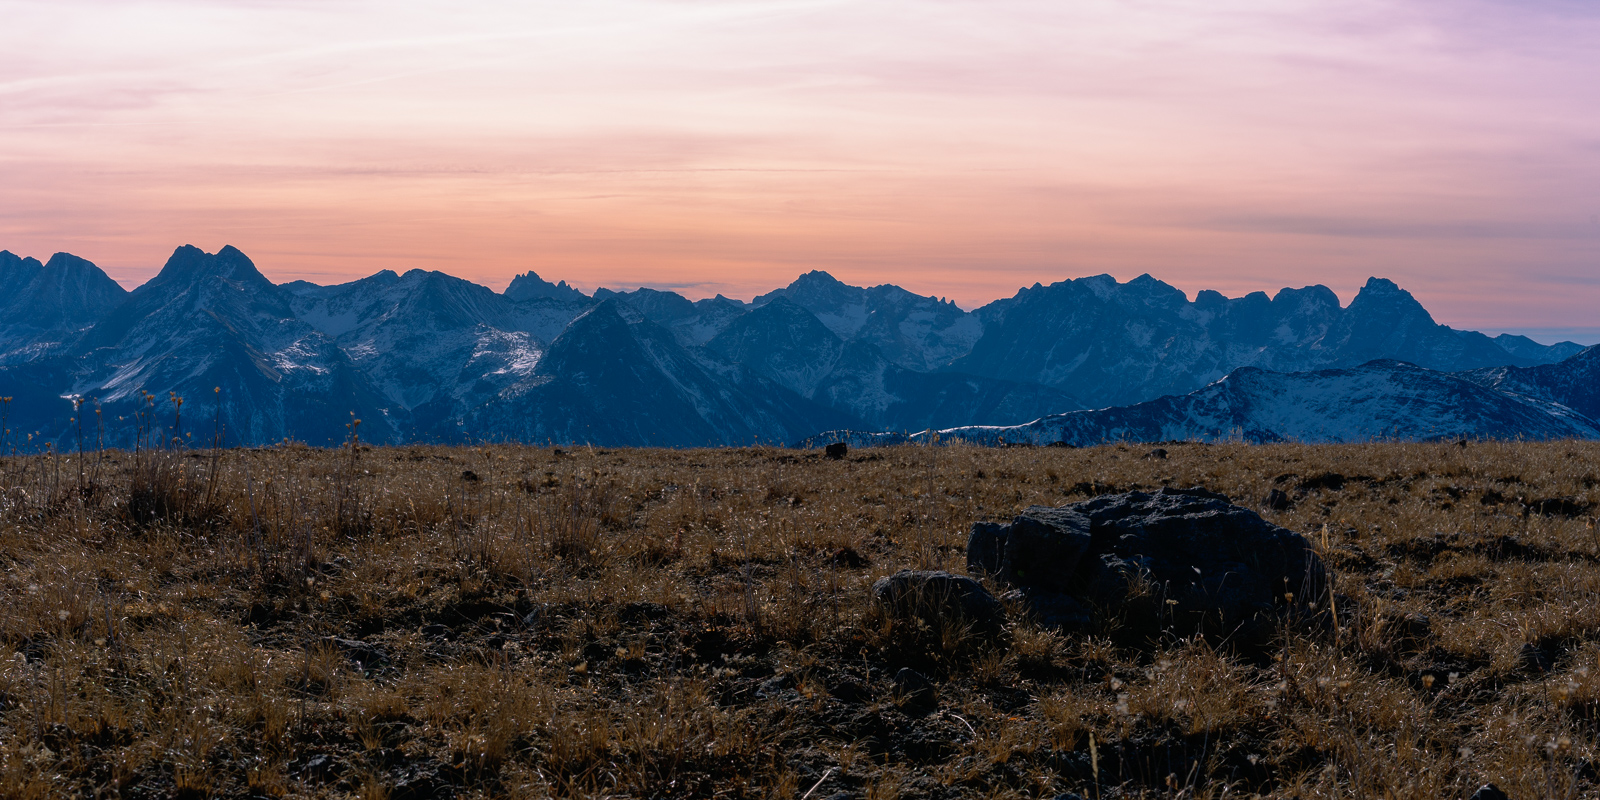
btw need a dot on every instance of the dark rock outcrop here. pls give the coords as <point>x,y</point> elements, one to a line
<point>1181,561</point>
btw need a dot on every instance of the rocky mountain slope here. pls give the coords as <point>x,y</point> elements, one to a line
<point>1573,383</point>
<point>47,304</point>
<point>615,376</point>
<point>1379,400</point>
<point>1115,343</point>
<point>425,356</point>
<point>214,331</point>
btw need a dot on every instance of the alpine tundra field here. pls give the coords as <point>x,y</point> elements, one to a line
<point>507,621</point>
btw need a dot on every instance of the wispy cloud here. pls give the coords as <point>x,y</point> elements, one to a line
<point>724,145</point>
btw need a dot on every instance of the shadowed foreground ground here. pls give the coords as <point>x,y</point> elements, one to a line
<point>506,621</point>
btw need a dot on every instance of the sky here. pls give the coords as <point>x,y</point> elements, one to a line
<point>959,149</point>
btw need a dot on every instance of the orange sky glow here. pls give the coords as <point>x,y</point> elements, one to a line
<point>959,149</point>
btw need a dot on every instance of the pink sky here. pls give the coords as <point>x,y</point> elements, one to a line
<point>960,149</point>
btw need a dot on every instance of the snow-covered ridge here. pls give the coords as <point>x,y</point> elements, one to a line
<point>1377,401</point>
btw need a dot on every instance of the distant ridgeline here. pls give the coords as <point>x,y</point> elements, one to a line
<point>426,357</point>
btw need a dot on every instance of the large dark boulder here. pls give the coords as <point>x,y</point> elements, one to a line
<point>1180,561</point>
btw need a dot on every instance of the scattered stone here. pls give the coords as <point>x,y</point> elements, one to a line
<point>1183,559</point>
<point>1278,500</point>
<point>848,558</point>
<point>1326,480</point>
<point>443,633</point>
<point>912,689</point>
<point>836,451</point>
<point>642,611</point>
<point>850,691</point>
<point>1414,631</point>
<point>420,781</point>
<point>365,656</point>
<point>534,617</point>
<point>318,768</point>
<point>1158,454</point>
<point>775,687</point>
<point>1489,791</point>
<point>934,598</point>
<point>1533,658</point>
<point>1569,507</point>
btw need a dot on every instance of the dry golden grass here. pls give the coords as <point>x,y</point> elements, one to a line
<point>509,621</point>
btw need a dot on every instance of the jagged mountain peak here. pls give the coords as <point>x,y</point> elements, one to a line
<point>68,262</point>
<point>817,289</point>
<point>817,279</point>
<point>529,286</point>
<point>47,305</point>
<point>1376,285</point>
<point>1390,295</point>
<point>189,265</point>
<point>1316,295</point>
<point>436,350</point>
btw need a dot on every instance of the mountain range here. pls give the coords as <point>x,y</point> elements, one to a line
<point>427,357</point>
<point>1379,400</point>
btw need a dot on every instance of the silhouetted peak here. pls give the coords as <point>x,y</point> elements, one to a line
<point>529,286</point>
<point>16,270</point>
<point>68,261</point>
<point>189,264</point>
<point>1310,295</point>
<point>1148,287</point>
<point>1382,293</point>
<point>816,277</point>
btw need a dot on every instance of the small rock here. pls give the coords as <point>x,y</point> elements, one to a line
<point>1489,791</point>
<point>850,691</point>
<point>775,687</point>
<point>935,597</point>
<point>443,633</point>
<point>641,611</point>
<point>1533,658</point>
<point>836,451</point>
<point>365,656</point>
<point>848,558</point>
<point>913,689</point>
<point>534,617</point>
<point>1416,628</point>
<point>984,547</point>
<point>1278,500</point>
